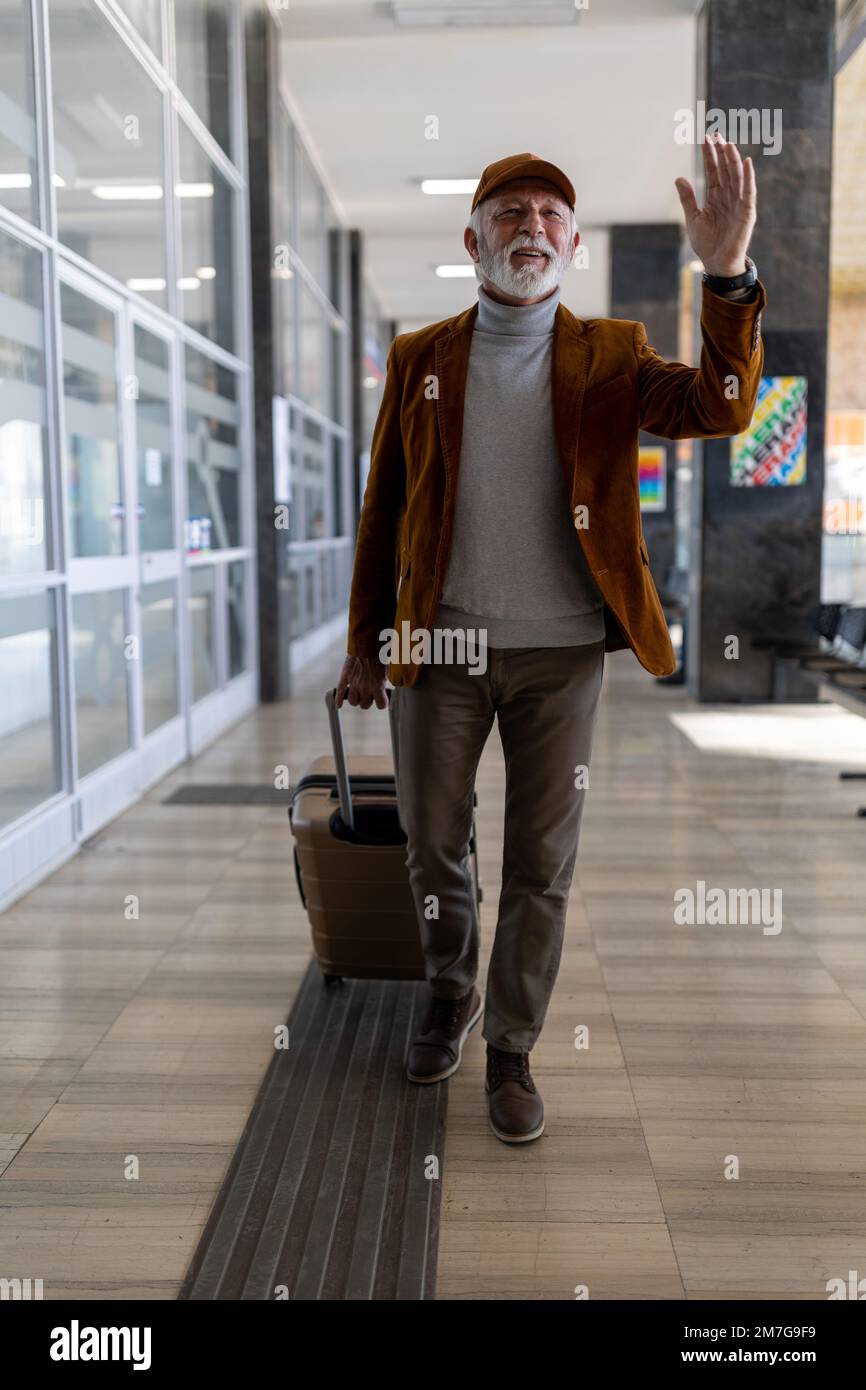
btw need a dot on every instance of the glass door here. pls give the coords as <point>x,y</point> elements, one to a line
<point>100,545</point>
<point>158,510</point>
<point>159,596</point>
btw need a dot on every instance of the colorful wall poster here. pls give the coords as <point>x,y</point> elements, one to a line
<point>772,451</point>
<point>652,477</point>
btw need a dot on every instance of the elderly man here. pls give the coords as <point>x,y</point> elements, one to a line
<point>502,503</point>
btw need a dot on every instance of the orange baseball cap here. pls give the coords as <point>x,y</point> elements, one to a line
<point>522,166</point>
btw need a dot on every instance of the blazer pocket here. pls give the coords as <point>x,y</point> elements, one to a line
<point>606,391</point>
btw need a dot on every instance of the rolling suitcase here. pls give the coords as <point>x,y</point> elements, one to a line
<point>350,865</point>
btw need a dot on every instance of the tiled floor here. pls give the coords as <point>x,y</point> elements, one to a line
<point>131,1049</point>
<point>708,1045</point>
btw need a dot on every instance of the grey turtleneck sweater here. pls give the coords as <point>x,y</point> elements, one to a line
<point>516,566</point>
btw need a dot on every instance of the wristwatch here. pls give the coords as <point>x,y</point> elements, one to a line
<point>720,284</point>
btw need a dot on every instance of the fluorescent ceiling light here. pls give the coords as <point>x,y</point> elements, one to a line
<point>122,192</point>
<point>24,181</point>
<point>463,186</point>
<point>473,14</point>
<point>370,382</point>
<point>142,282</point>
<point>194,190</point>
<point>206,272</point>
<point>189,282</point>
<point>455,272</point>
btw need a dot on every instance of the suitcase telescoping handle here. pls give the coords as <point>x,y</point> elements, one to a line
<point>343,786</point>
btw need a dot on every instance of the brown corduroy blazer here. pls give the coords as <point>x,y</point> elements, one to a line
<point>607,385</point>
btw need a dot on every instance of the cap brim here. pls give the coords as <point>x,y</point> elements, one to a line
<point>532,169</point>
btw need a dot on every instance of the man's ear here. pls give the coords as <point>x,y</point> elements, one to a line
<point>576,242</point>
<point>470,241</point>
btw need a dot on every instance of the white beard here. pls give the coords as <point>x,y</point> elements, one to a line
<point>525,281</point>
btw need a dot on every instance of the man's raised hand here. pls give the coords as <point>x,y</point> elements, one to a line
<point>720,231</point>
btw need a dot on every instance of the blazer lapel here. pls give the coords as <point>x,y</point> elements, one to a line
<point>569,373</point>
<point>568,382</point>
<point>452,368</point>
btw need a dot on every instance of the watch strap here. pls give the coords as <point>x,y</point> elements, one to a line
<point>719,284</point>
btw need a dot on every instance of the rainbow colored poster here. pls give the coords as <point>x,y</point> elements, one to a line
<point>772,451</point>
<point>652,477</point>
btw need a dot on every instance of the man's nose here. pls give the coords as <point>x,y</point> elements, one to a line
<point>532,224</point>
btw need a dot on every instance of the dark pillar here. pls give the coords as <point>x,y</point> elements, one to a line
<point>758,569</point>
<point>219,87</point>
<point>356,355</point>
<point>644,285</point>
<point>271,543</point>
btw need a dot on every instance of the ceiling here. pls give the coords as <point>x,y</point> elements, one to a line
<point>597,97</point>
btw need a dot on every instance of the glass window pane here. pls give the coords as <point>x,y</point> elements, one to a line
<point>29,751</point>
<point>94,474</point>
<point>18,187</point>
<point>153,441</point>
<point>100,666</point>
<point>282,175</point>
<point>159,653</point>
<point>337,340</point>
<point>296,495</point>
<point>294,601</point>
<point>375,350</point>
<point>206,281</point>
<point>202,591</point>
<point>283,280</point>
<point>313,465</point>
<point>107,150</point>
<point>283,301</point>
<point>312,217</point>
<point>324,586</point>
<point>145,15</point>
<point>23,434</point>
<point>338,488</point>
<point>202,44</point>
<point>311,616</point>
<point>237,617</point>
<point>312,351</point>
<point>213,454</point>
<point>337,252</point>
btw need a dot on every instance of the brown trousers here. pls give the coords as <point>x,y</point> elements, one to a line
<point>545,699</point>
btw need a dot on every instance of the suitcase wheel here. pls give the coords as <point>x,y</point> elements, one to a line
<point>331,980</point>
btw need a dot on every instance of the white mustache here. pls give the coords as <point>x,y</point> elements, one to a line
<point>544,248</point>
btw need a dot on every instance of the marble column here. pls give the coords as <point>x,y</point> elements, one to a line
<point>356,355</point>
<point>261,44</point>
<point>757,550</point>
<point>644,285</point>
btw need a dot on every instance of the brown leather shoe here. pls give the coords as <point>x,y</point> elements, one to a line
<point>435,1052</point>
<point>515,1108</point>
